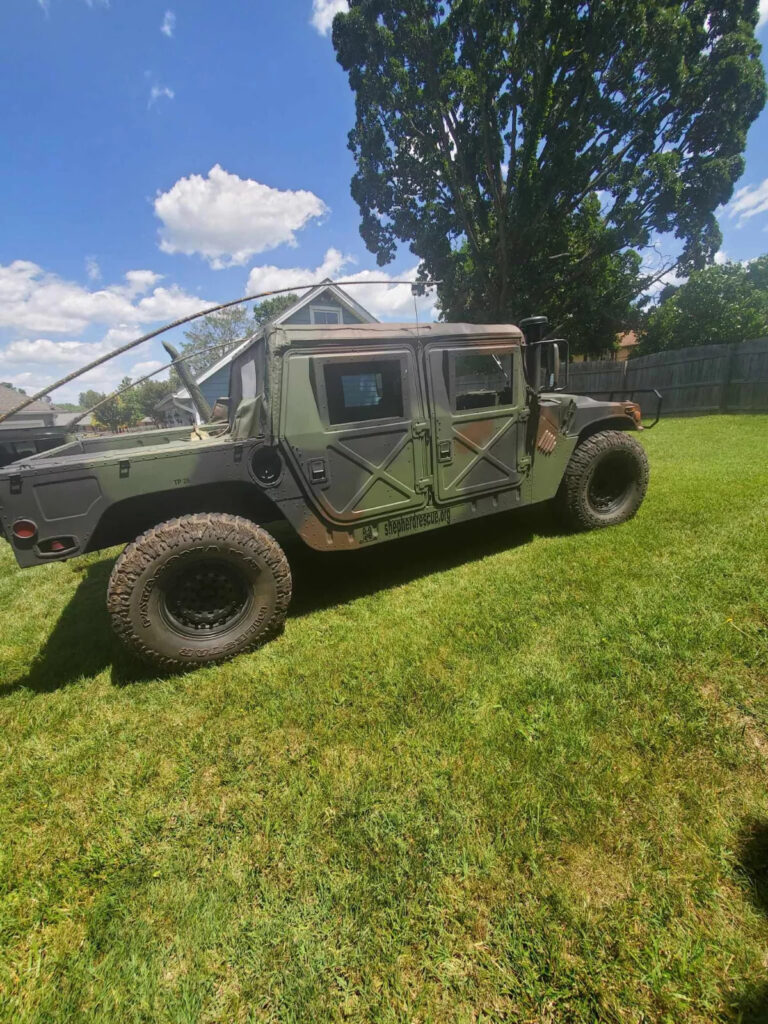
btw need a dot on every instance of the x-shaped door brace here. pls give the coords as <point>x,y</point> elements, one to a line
<point>378,472</point>
<point>482,452</point>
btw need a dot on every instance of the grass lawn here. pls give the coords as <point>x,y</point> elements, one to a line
<point>493,773</point>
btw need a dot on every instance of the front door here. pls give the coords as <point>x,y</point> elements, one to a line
<point>477,408</point>
<point>354,425</point>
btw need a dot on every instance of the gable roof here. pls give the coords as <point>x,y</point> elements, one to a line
<point>314,293</point>
<point>9,399</point>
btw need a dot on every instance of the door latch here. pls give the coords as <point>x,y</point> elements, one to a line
<point>318,472</point>
<point>445,451</point>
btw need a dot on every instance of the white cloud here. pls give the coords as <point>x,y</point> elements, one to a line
<point>749,201</point>
<point>45,351</point>
<point>228,219</point>
<point>763,14</point>
<point>266,278</point>
<point>386,302</point>
<point>149,366</point>
<point>323,13</point>
<point>721,257</point>
<point>33,300</point>
<point>92,269</point>
<point>160,92</point>
<point>169,24</point>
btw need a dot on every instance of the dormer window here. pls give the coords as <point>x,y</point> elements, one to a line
<point>325,314</point>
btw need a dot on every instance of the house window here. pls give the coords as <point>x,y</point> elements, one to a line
<point>325,314</point>
<point>479,380</point>
<point>364,391</point>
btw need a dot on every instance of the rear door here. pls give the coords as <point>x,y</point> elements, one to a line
<point>354,425</point>
<point>477,411</point>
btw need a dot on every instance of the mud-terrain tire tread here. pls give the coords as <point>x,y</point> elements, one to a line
<point>572,497</point>
<point>158,541</point>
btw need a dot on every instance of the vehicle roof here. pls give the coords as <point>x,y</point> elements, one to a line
<point>367,333</point>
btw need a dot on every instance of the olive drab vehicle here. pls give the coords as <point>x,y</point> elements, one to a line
<point>355,435</point>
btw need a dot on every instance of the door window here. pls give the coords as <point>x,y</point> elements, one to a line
<point>479,380</point>
<point>364,391</point>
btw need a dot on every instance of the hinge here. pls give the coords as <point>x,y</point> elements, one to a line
<point>421,430</point>
<point>423,485</point>
<point>524,463</point>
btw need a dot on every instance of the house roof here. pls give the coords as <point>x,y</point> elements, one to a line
<point>325,286</point>
<point>9,399</point>
<point>63,419</point>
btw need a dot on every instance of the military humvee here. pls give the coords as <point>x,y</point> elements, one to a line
<point>355,435</point>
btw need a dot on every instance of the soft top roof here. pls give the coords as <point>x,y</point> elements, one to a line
<point>371,333</point>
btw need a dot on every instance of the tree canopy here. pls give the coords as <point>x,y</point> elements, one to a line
<point>128,409</point>
<point>267,310</point>
<point>211,337</point>
<point>716,305</point>
<point>525,150</point>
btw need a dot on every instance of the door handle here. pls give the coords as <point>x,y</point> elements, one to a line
<point>318,471</point>
<point>445,451</point>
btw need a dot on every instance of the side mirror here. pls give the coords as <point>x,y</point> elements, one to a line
<point>552,365</point>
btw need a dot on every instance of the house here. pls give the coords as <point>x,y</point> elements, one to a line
<point>28,432</point>
<point>85,424</point>
<point>325,304</point>
<point>627,342</point>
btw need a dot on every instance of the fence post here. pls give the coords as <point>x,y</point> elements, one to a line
<point>725,379</point>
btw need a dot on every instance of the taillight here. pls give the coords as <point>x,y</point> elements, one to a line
<point>24,529</point>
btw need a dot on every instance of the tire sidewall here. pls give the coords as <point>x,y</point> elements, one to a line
<point>630,500</point>
<point>576,506</point>
<point>147,565</point>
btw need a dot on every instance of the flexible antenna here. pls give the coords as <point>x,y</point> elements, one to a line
<point>178,323</point>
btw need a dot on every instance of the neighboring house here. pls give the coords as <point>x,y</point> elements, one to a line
<point>30,431</point>
<point>626,342</point>
<point>326,304</point>
<point>64,419</point>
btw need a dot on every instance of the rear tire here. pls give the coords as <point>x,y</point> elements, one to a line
<point>199,590</point>
<point>605,481</point>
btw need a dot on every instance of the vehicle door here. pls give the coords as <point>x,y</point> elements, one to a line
<point>355,430</point>
<point>477,413</point>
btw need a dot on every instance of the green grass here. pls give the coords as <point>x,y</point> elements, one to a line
<point>492,773</point>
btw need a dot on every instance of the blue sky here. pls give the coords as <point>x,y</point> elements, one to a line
<point>162,155</point>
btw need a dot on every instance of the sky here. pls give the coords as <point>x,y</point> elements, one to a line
<point>160,157</point>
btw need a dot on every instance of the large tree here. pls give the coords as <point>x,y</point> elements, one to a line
<point>525,148</point>
<point>212,337</point>
<point>268,309</point>
<point>119,412</point>
<point>715,305</point>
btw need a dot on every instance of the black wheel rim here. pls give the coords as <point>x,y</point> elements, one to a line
<point>206,597</point>
<point>611,483</point>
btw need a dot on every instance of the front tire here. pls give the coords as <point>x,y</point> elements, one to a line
<point>199,590</point>
<point>605,481</point>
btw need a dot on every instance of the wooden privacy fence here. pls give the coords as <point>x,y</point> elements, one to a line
<point>708,378</point>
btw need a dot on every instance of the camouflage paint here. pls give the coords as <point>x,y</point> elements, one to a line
<point>342,485</point>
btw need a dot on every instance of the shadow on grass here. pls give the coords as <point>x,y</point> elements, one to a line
<point>321,580</point>
<point>751,1006</point>
<point>82,643</point>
